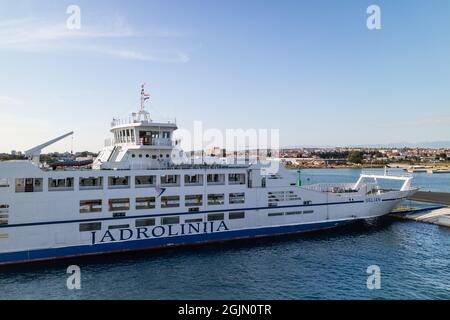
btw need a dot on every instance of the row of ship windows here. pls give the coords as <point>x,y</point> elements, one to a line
<point>289,213</point>
<point>91,183</point>
<point>148,222</point>
<point>142,203</point>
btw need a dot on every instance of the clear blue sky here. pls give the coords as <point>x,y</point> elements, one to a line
<point>310,68</point>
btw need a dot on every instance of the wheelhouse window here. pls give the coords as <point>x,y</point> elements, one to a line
<point>4,183</point>
<point>216,199</point>
<point>144,181</point>
<point>63,184</point>
<point>119,204</point>
<point>216,178</point>
<point>170,180</point>
<point>118,182</point>
<point>193,180</point>
<point>29,185</point>
<point>91,183</point>
<point>145,203</point>
<point>87,206</point>
<point>236,178</point>
<point>194,200</point>
<point>170,201</point>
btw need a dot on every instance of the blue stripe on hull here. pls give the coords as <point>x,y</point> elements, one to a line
<point>57,253</point>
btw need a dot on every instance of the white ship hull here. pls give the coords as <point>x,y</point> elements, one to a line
<point>47,224</point>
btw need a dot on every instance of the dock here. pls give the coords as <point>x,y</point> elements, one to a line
<point>438,214</point>
<point>442,198</point>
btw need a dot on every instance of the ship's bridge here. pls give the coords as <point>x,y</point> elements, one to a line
<point>138,142</point>
<point>141,132</point>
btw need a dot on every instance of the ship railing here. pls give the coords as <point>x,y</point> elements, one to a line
<point>386,173</point>
<point>131,120</point>
<point>331,187</point>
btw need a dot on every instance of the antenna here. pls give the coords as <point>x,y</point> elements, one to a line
<point>144,97</point>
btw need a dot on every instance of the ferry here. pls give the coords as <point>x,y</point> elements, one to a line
<point>418,169</point>
<point>134,196</point>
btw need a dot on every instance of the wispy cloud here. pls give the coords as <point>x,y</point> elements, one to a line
<point>32,35</point>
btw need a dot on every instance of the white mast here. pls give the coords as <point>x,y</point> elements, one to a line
<point>143,114</point>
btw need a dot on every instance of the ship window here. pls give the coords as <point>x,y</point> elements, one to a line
<point>133,155</point>
<point>236,215</point>
<point>215,216</point>
<point>193,220</point>
<point>119,226</point>
<point>145,203</point>
<point>170,220</point>
<point>29,185</point>
<point>140,156</point>
<point>196,209</point>
<point>166,135</point>
<point>4,208</point>
<point>90,226</point>
<point>90,206</point>
<point>145,222</point>
<point>307,202</point>
<point>216,199</point>
<point>63,184</point>
<point>236,178</point>
<point>195,179</point>
<point>293,213</point>
<point>91,183</point>
<point>144,181</point>
<point>147,155</point>
<point>118,182</point>
<point>170,201</point>
<point>154,156</point>
<point>308,211</point>
<point>3,221</point>
<point>119,214</point>
<point>216,179</point>
<point>275,214</point>
<point>4,183</point>
<point>170,180</point>
<point>193,200</point>
<point>119,204</point>
<point>237,197</point>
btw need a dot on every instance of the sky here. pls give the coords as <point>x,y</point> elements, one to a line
<point>311,69</point>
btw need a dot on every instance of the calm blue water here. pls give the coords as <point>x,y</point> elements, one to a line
<point>414,260</point>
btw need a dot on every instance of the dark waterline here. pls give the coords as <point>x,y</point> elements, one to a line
<point>413,257</point>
